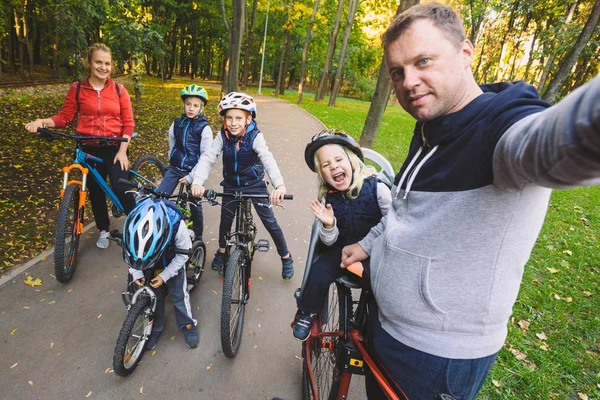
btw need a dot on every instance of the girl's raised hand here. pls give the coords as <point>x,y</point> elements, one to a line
<point>323,212</point>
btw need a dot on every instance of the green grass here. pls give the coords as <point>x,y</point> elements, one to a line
<point>559,298</point>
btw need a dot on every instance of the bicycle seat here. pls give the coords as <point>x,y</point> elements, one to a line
<point>351,281</point>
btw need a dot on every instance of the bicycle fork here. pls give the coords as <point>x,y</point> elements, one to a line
<point>82,193</point>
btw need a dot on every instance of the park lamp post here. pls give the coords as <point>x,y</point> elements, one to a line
<point>262,61</point>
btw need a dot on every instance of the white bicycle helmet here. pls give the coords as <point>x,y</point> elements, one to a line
<point>146,234</point>
<point>238,100</point>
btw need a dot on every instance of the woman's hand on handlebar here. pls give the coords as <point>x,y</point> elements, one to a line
<point>198,191</point>
<point>277,194</point>
<point>33,126</point>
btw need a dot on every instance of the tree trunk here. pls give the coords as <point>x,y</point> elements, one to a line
<point>225,72</point>
<point>381,95</point>
<point>55,57</point>
<point>509,28</point>
<point>286,62</point>
<point>531,52</point>
<point>249,39</point>
<point>552,56</point>
<point>476,22</point>
<point>516,58</point>
<point>352,6</point>
<point>565,66</point>
<point>237,32</point>
<point>182,50</point>
<point>305,51</point>
<point>280,70</point>
<point>330,51</point>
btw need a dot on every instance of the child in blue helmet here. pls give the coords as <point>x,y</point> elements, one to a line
<point>353,202</point>
<point>246,157</point>
<point>189,136</point>
<point>151,234</point>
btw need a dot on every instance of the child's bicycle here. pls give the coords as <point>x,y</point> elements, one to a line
<point>336,348</point>
<point>141,301</point>
<point>71,212</point>
<point>237,265</point>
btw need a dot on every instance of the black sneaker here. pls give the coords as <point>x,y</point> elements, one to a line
<point>217,263</point>
<point>191,336</point>
<point>302,324</point>
<point>152,340</point>
<point>287,268</point>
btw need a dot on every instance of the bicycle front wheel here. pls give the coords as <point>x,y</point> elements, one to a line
<point>132,338</point>
<point>150,168</point>
<point>325,350</point>
<point>195,265</point>
<point>67,234</point>
<point>233,303</point>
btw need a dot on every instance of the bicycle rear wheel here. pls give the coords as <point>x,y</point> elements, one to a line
<point>325,350</point>
<point>132,337</point>
<point>67,235</point>
<point>195,265</point>
<point>233,303</point>
<point>150,168</point>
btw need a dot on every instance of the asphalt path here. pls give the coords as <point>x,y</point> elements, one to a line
<point>57,340</point>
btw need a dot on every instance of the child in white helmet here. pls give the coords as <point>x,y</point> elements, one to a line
<point>245,159</point>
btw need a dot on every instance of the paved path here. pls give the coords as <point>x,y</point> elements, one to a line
<point>57,341</point>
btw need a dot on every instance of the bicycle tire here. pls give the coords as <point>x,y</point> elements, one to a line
<point>66,243</point>
<point>149,167</point>
<point>326,350</point>
<point>132,337</point>
<point>233,304</point>
<point>195,265</point>
<point>127,295</point>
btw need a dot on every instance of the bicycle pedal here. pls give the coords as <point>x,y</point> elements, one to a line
<point>263,245</point>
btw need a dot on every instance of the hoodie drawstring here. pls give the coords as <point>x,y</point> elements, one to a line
<point>413,175</point>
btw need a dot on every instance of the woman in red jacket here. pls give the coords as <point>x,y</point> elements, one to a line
<point>104,109</point>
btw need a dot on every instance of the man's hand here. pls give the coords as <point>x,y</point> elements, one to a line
<point>197,191</point>
<point>184,181</point>
<point>323,213</point>
<point>277,194</point>
<point>156,282</point>
<point>352,254</point>
<point>140,282</point>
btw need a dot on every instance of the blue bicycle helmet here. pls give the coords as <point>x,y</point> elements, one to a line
<point>146,234</point>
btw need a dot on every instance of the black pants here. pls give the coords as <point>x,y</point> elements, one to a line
<point>114,173</point>
<point>266,216</point>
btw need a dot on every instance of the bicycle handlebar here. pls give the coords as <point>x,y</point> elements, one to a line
<point>49,135</point>
<point>210,194</point>
<point>152,190</point>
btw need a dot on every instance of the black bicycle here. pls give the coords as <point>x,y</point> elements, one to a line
<point>237,267</point>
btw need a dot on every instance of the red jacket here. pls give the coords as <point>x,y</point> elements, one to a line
<point>100,114</point>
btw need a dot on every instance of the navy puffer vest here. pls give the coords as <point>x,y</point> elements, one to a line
<point>188,136</point>
<point>356,217</point>
<point>241,164</point>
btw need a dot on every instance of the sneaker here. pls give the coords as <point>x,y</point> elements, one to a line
<point>287,268</point>
<point>103,241</point>
<point>302,324</point>
<point>191,336</point>
<point>152,340</point>
<point>217,263</point>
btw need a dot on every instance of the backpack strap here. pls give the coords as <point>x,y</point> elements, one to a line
<point>118,87</point>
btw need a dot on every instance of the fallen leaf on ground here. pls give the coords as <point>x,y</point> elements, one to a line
<point>14,365</point>
<point>209,367</point>
<point>260,278</point>
<point>153,353</point>
<point>173,337</point>
<point>52,276</point>
<point>106,371</point>
<point>142,390</point>
<point>51,344</point>
<point>31,282</point>
<point>568,252</point>
<point>586,293</point>
<point>214,292</point>
<point>524,324</point>
<point>552,270</point>
<point>52,302</point>
<point>258,326</point>
<point>26,307</point>
<point>89,394</point>
<point>99,316</point>
<point>545,347</point>
<point>70,290</point>
<point>298,357</point>
<point>30,383</point>
<point>250,333</point>
<point>495,383</point>
<point>541,336</point>
<point>583,396</point>
<point>257,310</point>
<point>13,331</point>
